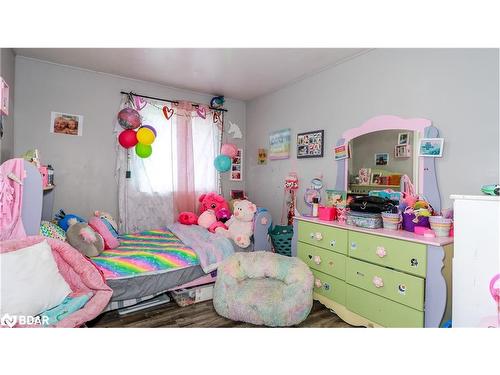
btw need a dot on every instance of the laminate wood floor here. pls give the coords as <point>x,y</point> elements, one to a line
<point>201,315</point>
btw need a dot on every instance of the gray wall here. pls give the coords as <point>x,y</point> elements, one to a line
<point>84,166</point>
<point>7,69</point>
<point>455,88</point>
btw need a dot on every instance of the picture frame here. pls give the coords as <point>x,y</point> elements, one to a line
<point>261,156</point>
<point>341,152</point>
<point>336,198</point>
<point>237,194</point>
<point>431,147</point>
<point>375,178</point>
<point>279,144</point>
<point>404,138</point>
<point>381,158</point>
<point>402,151</point>
<point>310,144</point>
<point>66,124</point>
<point>236,171</point>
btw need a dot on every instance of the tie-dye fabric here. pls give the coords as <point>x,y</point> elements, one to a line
<point>152,251</point>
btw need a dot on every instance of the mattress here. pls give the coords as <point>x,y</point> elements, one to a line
<point>147,263</point>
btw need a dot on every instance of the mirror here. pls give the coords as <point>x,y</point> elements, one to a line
<point>423,168</point>
<point>379,159</point>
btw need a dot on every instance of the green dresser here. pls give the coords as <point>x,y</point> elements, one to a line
<point>374,277</point>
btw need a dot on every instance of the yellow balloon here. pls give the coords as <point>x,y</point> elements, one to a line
<point>145,136</point>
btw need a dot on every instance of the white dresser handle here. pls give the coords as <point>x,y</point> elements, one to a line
<point>354,245</point>
<point>378,282</point>
<point>381,251</point>
<point>318,283</point>
<point>317,259</point>
<point>333,242</point>
<point>318,236</point>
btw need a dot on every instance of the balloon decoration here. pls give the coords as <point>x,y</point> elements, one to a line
<point>217,102</point>
<point>222,163</point>
<point>145,136</point>
<point>142,139</point>
<point>143,151</point>
<point>129,118</point>
<point>127,138</point>
<point>229,149</point>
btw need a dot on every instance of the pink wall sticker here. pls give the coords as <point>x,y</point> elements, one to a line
<point>4,97</point>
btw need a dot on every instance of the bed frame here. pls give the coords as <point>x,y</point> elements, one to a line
<point>31,213</point>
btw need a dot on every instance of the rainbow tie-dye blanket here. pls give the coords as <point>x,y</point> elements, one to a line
<point>151,251</point>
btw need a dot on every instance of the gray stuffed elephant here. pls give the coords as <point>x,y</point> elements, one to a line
<point>83,238</point>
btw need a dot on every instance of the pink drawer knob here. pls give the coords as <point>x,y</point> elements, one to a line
<point>378,282</point>
<point>317,259</point>
<point>318,236</point>
<point>318,283</point>
<point>381,251</point>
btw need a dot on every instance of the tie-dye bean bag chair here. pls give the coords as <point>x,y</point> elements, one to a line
<point>79,273</point>
<point>264,288</point>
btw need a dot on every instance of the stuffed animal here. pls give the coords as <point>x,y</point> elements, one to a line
<point>63,219</point>
<point>83,238</point>
<point>240,225</point>
<point>213,207</point>
<point>108,220</point>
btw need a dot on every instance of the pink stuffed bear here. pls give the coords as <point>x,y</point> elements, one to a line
<point>240,225</point>
<point>212,207</point>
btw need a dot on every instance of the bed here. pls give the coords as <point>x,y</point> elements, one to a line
<point>150,263</point>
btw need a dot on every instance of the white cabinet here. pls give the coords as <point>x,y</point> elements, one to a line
<point>476,261</point>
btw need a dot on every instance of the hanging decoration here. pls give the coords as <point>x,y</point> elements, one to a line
<point>201,111</point>
<point>129,118</point>
<point>229,149</point>
<point>217,117</point>
<point>139,102</point>
<point>127,138</point>
<point>235,130</point>
<point>290,199</point>
<point>151,128</point>
<point>217,102</point>
<point>168,112</point>
<point>222,163</point>
<point>143,151</point>
<point>145,136</point>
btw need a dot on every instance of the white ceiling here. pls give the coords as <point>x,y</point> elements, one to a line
<point>243,73</point>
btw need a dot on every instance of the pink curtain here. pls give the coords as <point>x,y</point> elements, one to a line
<point>184,184</point>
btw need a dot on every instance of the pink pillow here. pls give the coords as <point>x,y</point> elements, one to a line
<point>110,242</point>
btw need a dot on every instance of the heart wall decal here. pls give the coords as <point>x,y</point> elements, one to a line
<point>139,102</point>
<point>202,112</point>
<point>168,112</point>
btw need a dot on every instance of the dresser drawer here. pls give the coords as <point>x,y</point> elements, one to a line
<point>401,255</point>
<point>329,287</point>
<point>322,260</point>
<point>323,236</point>
<point>381,310</point>
<point>396,286</point>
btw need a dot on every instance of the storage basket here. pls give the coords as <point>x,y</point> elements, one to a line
<point>281,237</point>
<point>364,220</point>
<point>188,296</point>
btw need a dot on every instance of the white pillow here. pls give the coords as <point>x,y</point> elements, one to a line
<point>30,281</point>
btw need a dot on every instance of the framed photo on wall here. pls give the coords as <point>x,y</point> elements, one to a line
<point>403,138</point>
<point>279,144</point>
<point>65,123</point>
<point>431,147</point>
<point>341,152</point>
<point>310,144</point>
<point>237,166</point>
<point>381,158</point>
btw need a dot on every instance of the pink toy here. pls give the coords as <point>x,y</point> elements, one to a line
<point>212,202</point>
<point>240,226</point>
<point>110,242</point>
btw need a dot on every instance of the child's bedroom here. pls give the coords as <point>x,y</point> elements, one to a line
<point>169,187</point>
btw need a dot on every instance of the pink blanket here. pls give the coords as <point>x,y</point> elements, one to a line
<point>11,200</point>
<point>79,273</point>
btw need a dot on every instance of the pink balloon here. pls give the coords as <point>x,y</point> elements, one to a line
<point>229,149</point>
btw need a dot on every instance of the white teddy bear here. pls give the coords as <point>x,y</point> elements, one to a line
<point>240,225</point>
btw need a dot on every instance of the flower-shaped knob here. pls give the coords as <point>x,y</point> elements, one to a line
<point>378,282</point>
<point>381,251</point>
<point>318,283</point>
<point>318,236</point>
<point>317,259</point>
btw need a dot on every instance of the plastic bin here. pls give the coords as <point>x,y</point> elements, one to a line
<point>281,237</point>
<point>364,220</point>
<point>188,296</point>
